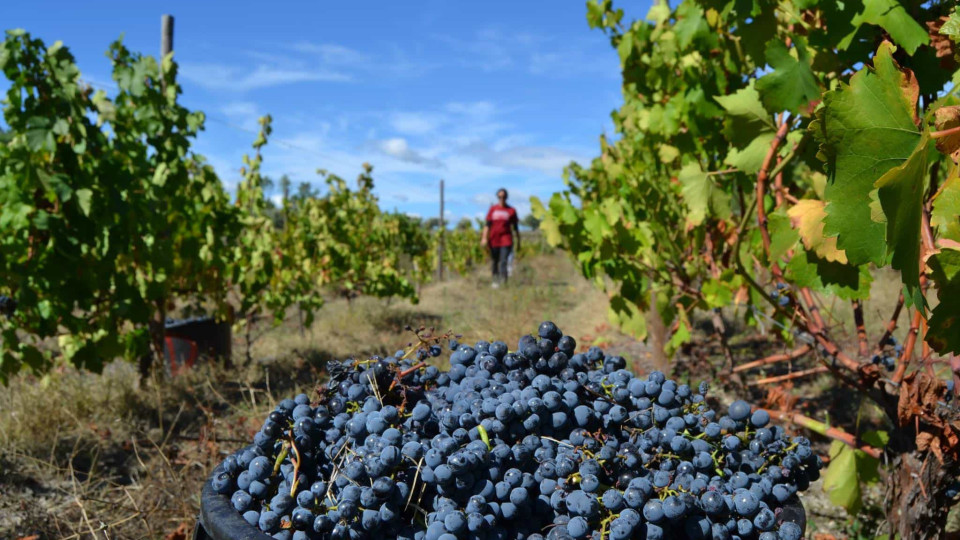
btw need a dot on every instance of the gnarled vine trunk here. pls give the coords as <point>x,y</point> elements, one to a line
<point>916,495</point>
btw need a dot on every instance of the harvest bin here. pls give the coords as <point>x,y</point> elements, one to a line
<point>219,521</point>
<point>185,340</point>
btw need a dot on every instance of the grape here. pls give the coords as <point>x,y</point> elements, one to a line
<point>739,410</point>
<point>789,531</point>
<point>539,444</point>
<point>578,527</point>
<point>653,511</point>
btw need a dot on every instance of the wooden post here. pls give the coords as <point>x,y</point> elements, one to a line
<point>441,233</point>
<point>166,35</point>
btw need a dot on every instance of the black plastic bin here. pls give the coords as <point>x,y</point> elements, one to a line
<point>185,340</point>
<point>219,521</point>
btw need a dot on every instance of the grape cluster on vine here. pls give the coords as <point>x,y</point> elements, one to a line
<point>537,443</point>
<point>891,349</point>
<point>7,305</point>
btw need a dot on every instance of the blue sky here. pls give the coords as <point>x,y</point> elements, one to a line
<point>481,94</point>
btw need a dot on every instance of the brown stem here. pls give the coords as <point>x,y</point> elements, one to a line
<point>813,309</point>
<point>825,430</point>
<point>761,187</point>
<point>778,189</point>
<point>892,324</point>
<point>789,376</point>
<point>944,133</point>
<point>775,358</point>
<point>861,329</point>
<point>907,354</point>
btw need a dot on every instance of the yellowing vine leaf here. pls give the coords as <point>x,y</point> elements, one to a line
<point>807,217</point>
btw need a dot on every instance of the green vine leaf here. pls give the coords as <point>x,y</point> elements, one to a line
<point>865,128</point>
<point>901,191</point>
<point>791,85</point>
<point>892,16</point>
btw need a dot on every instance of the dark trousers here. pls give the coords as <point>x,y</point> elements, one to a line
<point>500,256</point>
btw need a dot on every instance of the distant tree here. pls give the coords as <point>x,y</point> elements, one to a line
<point>306,191</point>
<point>464,224</point>
<point>530,222</point>
<point>432,223</point>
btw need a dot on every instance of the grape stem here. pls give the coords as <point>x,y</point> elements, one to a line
<point>789,376</point>
<point>825,430</point>
<point>775,358</point>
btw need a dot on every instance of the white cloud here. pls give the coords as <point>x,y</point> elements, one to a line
<point>398,148</point>
<point>223,77</point>
<point>331,53</point>
<point>244,113</point>
<point>415,123</point>
<point>546,159</point>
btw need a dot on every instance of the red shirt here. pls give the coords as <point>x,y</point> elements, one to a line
<point>501,219</point>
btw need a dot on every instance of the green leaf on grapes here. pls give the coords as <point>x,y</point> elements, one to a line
<point>749,128</point>
<point>84,197</point>
<point>628,316</point>
<point>951,28</point>
<point>702,195</point>
<point>868,467</point>
<point>791,85</point>
<point>944,323</point>
<point>681,335</point>
<point>892,16</point>
<point>548,223</point>
<point>39,135</point>
<point>865,128</point>
<point>901,196</point>
<point>840,480</point>
<point>782,235</point>
<point>845,281</point>
<point>945,216</point>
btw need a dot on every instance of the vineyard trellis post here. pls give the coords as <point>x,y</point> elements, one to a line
<point>166,35</point>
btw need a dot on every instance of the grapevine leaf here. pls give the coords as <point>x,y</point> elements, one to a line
<point>901,196</point>
<point>944,323</point>
<point>690,23</point>
<point>782,235</point>
<point>748,127</point>
<point>681,335</point>
<point>951,28</point>
<point>750,158</point>
<point>84,197</point>
<point>865,129</point>
<point>807,216</point>
<point>845,281</point>
<point>547,223</point>
<point>745,112</point>
<point>840,480</point>
<point>628,316</point>
<point>791,85</point>
<point>702,195</point>
<point>868,467</point>
<point>39,135</point>
<point>945,215</point>
<point>892,17</point>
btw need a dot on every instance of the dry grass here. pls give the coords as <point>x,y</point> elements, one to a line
<point>104,456</point>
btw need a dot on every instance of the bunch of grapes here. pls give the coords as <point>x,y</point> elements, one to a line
<point>538,443</point>
<point>7,305</point>
<point>891,349</point>
<point>780,294</point>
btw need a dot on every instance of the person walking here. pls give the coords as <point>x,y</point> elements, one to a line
<point>498,233</point>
